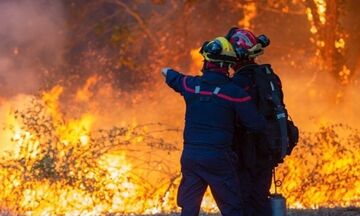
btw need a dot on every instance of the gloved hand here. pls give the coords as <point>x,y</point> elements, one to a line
<point>165,70</point>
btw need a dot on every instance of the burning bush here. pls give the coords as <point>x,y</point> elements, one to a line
<point>60,167</point>
<point>324,168</point>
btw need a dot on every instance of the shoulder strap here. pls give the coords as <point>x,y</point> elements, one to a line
<point>265,73</point>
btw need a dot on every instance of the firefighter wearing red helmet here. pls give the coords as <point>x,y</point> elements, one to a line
<point>259,154</point>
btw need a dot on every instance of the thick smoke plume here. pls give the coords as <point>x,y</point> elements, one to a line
<point>31,39</point>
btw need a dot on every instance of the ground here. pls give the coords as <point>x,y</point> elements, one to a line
<point>309,212</point>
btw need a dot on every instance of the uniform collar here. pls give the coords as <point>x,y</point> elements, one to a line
<point>246,67</point>
<point>213,76</point>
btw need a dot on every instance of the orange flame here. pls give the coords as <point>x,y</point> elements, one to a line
<point>64,165</point>
<point>249,10</point>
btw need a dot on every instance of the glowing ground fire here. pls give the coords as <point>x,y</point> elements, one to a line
<point>62,166</point>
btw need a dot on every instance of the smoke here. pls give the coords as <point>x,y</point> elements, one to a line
<point>31,43</point>
<point>314,98</point>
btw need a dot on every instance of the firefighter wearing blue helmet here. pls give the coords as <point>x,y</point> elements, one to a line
<point>213,106</point>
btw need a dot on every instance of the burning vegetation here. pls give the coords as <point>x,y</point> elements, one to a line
<point>60,166</point>
<point>95,132</point>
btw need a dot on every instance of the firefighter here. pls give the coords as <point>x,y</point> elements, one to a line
<point>256,151</point>
<point>213,104</point>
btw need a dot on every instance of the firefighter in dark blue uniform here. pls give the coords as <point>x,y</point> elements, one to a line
<point>213,105</point>
<point>256,180</point>
<point>257,163</point>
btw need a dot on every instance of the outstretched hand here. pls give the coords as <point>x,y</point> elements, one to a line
<point>164,71</point>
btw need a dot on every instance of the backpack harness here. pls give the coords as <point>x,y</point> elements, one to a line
<point>270,104</point>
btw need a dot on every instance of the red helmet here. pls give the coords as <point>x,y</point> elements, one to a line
<point>243,38</point>
<point>246,44</point>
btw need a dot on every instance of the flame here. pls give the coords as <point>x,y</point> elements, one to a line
<point>321,13</point>
<point>197,60</point>
<point>73,130</point>
<point>310,17</point>
<point>98,159</point>
<point>51,100</point>
<point>323,170</point>
<point>60,167</point>
<point>249,10</point>
<point>329,38</point>
<point>340,44</point>
<point>84,94</point>
<point>321,10</point>
<point>344,74</point>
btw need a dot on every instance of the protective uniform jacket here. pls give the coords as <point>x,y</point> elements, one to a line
<point>258,147</point>
<point>213,104</point>
<point>243,78</point>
